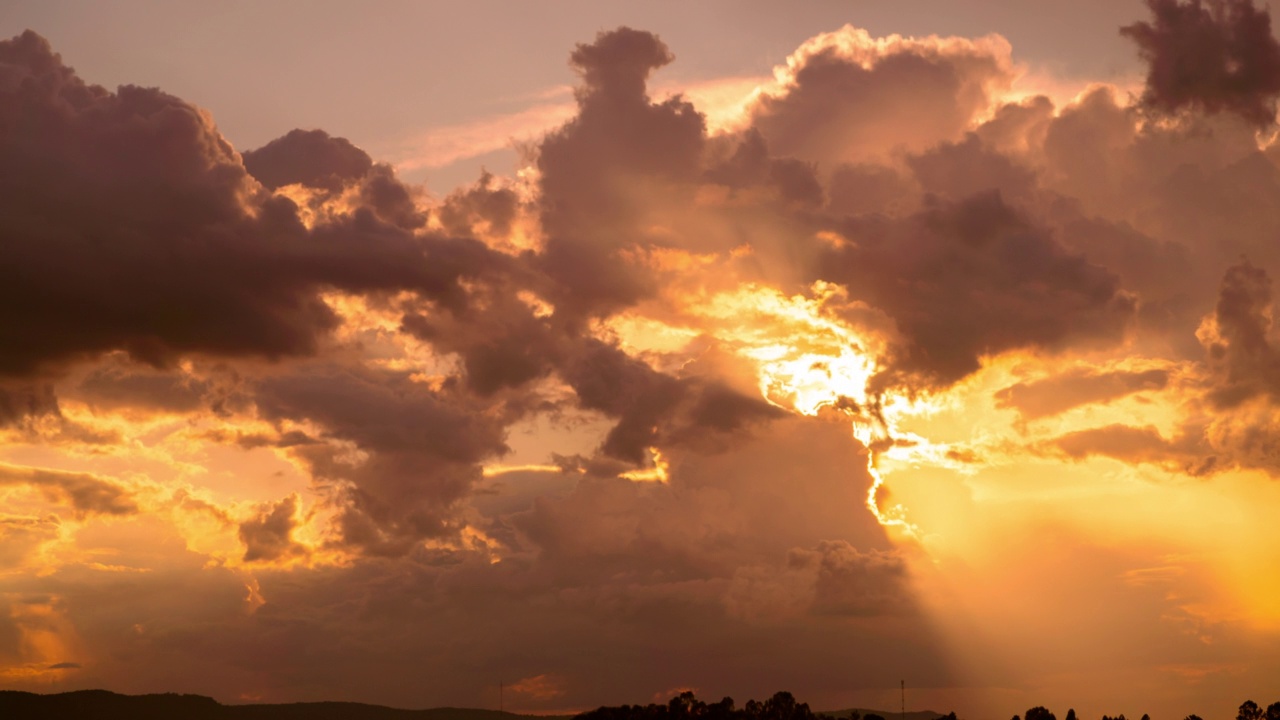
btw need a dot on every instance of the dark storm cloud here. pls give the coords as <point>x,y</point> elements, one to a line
<point>269,535</point>
<point>127,222</point>
<point>308,157</point>
<point>1210,55</point>
<point>122,385</point>
<point>973,278</point>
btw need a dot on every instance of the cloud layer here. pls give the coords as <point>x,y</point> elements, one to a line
<point>754,407</point>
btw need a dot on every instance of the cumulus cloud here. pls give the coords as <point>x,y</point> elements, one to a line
<point>847,96</point>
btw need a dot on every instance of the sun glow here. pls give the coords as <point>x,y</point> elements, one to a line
<point>655,473</point>
<point>809,358</point>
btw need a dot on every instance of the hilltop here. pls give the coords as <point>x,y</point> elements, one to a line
<point>91,704</point>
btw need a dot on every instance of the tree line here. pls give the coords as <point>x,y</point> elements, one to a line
<point>1249,710</point>
<point>783,706</point>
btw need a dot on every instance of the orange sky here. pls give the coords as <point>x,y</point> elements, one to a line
<point>889,356</point>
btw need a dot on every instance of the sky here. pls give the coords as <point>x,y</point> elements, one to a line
<point>603,351</point>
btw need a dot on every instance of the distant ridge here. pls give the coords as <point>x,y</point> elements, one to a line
<point>106,705</point>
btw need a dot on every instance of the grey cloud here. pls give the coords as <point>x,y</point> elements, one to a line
<point>1072,389</point>
<point>960,169</point>
<point>423,447</point>
<point>87,494</point>
<point>850,581</point>
<point>654,408</point>
<point>482,203</point>
<point>1123,442</point>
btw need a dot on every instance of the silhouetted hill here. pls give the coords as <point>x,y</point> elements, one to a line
<point>886,714</point>
<point>104,705</point>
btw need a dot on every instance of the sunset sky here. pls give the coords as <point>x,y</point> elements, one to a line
<point>392,351</point>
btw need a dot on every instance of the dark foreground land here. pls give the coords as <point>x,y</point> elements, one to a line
<point>104,705</point>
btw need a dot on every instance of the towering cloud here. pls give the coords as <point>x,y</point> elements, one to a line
<point>606,172</point>
<point>847,96</point>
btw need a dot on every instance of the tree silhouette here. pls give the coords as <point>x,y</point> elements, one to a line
<point>1039,712</point>
<point>1071,714</point>
<point>1193,717</point>
<point>1273,711</point>
<point>1249,710</point>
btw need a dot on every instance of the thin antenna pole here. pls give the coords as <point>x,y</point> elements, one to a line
<point>903,683</point>
<point>501,706</point>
